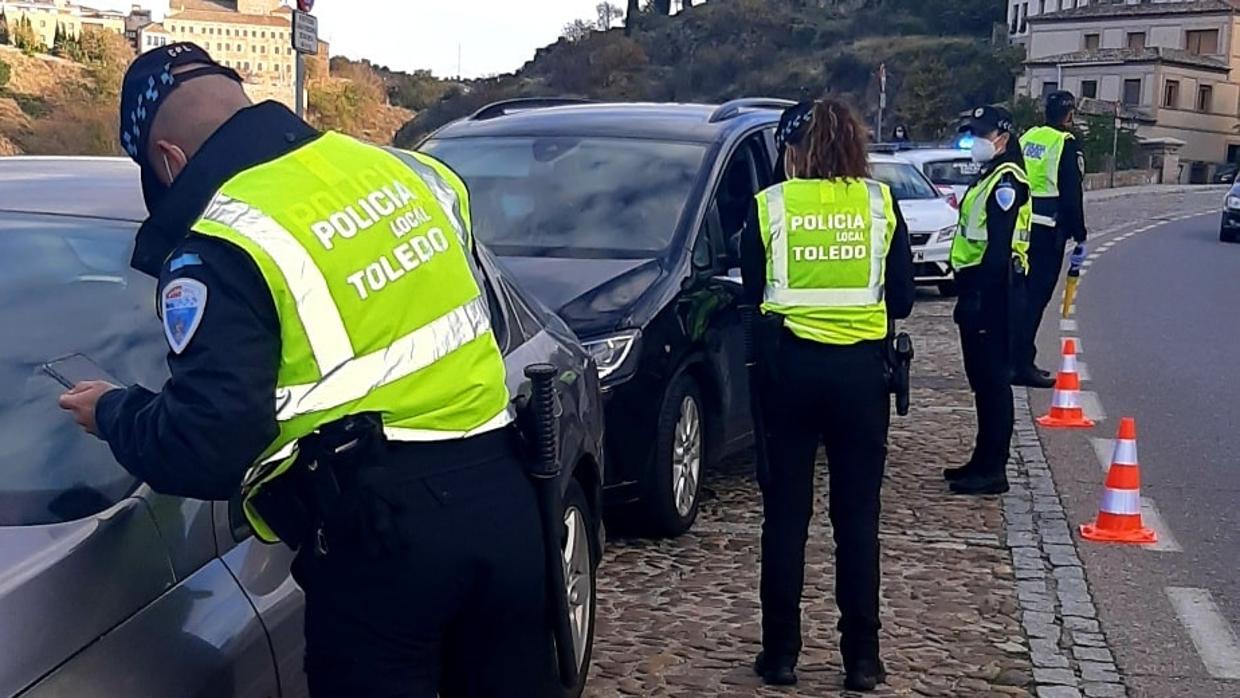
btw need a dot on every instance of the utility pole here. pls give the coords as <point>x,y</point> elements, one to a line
<point>882,101</point>
<point>1115,145</point>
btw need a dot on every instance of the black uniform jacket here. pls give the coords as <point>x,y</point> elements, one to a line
<point>216,414</point>
<point>899,290</point>
<point>987,290</point>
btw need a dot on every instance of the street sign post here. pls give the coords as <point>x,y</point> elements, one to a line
<point>305,42</point>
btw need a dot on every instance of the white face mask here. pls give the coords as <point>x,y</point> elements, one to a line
<point>983,150</point>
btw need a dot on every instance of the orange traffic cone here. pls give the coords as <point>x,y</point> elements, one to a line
<point>1119,513</point>
<point>1066,409</point>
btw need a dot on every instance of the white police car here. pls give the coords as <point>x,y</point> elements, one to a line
<point>931,216</point>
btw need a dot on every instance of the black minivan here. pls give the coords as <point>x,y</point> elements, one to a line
<point>622,218</point>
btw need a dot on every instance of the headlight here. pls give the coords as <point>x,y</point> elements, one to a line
<point>611,353</point>
<point>946,234</point>
<point>1233,202</point>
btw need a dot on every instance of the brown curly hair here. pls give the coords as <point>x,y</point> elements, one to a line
<point>834,147</point>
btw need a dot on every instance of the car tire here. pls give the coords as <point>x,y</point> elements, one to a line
<point>1225,235</point>
<point>581,556</point>
<point>675,486</point>
<point>947,289</point>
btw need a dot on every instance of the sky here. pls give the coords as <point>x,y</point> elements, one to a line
<point>493,36</point>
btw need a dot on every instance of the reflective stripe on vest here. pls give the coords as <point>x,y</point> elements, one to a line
<point>826,243</point>
<point>969,245</point>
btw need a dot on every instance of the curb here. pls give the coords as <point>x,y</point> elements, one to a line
<point>1068,649</point>
<point>1100,195</point>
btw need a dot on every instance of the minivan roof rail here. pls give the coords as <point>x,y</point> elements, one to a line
<point>507,106</point>
<point>732,109</point>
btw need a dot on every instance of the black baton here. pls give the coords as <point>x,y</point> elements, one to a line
<point>545,472</point>
<point>748,318</point>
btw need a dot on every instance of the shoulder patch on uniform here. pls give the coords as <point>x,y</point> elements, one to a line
<point>1005,196</point>
<point>183,302</point>
<point>188,259</point>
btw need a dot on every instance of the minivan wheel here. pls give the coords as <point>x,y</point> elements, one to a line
<point>580,553</point>
<point>680,455</point>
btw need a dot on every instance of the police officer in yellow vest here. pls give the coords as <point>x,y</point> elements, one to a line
<point>309,281</point>
<point>1056,170</point>
<point>826,254</point>
<point>990,258</point>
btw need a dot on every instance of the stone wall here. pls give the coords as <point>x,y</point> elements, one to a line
<point>1123,178</point>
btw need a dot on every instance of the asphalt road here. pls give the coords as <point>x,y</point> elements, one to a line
<point>1159,322</point>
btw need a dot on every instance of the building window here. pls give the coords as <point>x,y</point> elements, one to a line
<point>1041,7</point>
<point>1049,86</point>
<point>1202,42</point>
<point>260,67</point>
<point>1089,88</point>
<point>1171,94</point>
<point>1205,99</point>
<point>1024,17</point>
<point>1092,42</point>
<point>1132,91</point>
<point>1136,40</point>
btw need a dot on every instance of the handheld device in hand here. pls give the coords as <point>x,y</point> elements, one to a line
<point>75,368</point>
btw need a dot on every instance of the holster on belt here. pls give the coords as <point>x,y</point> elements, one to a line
<point>298,505</point>
<point>768,331</point>
<point>899,355</point>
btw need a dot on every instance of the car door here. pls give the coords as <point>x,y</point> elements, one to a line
<point>715,312</point>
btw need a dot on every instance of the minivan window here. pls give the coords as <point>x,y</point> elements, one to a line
<point>953,173</point>
<point>574,197</point>
<point>906,181</point>
<point>67,288</point>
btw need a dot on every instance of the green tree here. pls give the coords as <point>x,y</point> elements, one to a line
<point>576,30</point>
<point>58,43</point>
<point>6,72</point>
<point>4,29</point>
<point>630,16</point>
<point>1097,139</point>
<point>24,37</point>
<point>924,96</point>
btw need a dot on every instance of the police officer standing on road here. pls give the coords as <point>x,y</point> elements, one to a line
<point>329,336</point>
<point>990,257</point>
<point>826,253</point>
<point>1056,171</point>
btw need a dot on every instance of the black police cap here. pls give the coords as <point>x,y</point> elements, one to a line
<point>987,119</point>
<point>1060,103</point>
<point>793,124</point>
<point>148,82</point>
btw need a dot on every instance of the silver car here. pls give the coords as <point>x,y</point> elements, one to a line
<point>109,589</point>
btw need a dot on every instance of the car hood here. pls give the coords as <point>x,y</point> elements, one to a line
<point>64,585</point>
<point>594,296</point>
<point>928,215</point>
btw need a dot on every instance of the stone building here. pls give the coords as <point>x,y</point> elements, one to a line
<point>46,15</point>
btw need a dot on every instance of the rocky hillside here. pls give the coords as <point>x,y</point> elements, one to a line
<point>26,99</point>
<point>939,56</point>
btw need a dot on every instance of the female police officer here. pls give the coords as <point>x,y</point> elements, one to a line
<point>827,253</point>
<point>990,256</point>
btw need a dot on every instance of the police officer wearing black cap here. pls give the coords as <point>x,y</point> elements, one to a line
<point>826,256</point>
<point>368,420</point>
<point>1056,169</point>
<point>990,258</point>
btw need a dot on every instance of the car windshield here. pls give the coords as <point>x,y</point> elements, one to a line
<point>67,289</point>
<point>574,197</point>
<point>905,181</point>
<point>953,173</point>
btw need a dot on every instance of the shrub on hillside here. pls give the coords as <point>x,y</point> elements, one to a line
<point>6,72</point>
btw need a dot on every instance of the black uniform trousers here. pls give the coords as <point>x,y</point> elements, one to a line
<point>433,583</point>
<point>836,396</point>
<point>988,365</point>
<point>1046,253</point>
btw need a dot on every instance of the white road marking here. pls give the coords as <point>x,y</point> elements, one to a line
<point>1092,406</point>
<point>1153,520</point>
<point>1103,448</point>
<point>1088,263</point>
<point>1214,639</point>
<point>1066,325</point>
<point>1105,247</point>
<point>1082,370</point>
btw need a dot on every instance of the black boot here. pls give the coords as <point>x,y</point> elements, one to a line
<point>865,674</point>
<point>1033,377</point>
<point>954,474</point>
<point>775,673</point>
<point>981,484</point>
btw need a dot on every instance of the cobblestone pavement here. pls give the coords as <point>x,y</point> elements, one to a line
<point>680,617</point>
<point>981,597</point>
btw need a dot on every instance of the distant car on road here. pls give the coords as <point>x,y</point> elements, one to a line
<point>947,167</point>
<point>109,589</point>
<point>1226,173</point>
<point>931,217</point>
<point>1229,230</point>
